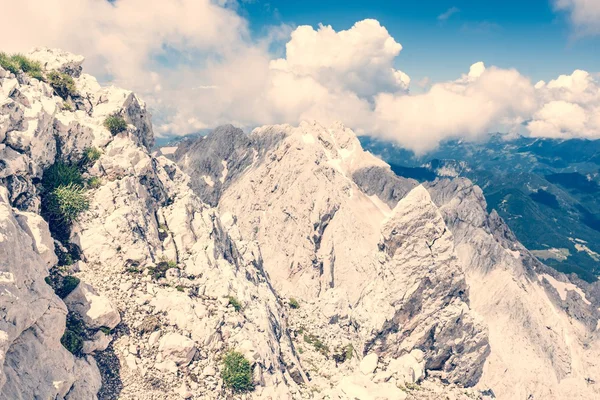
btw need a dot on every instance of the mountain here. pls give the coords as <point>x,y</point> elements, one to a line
<point>395,267</point>
<point>547,190</point>
<point>285,264</point>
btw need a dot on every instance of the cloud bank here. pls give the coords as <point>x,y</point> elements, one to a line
<point>584,14</point>
<point>196,64</point>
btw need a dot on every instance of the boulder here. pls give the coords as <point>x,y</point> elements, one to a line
<point>177,348</point>
<point>369,363</point>
<point>96,310</point>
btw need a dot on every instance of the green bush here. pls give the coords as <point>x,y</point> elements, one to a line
<point>8,63</point>
<point>65,203</point>
<point>237,372</point>
<point>115,123</point>
<point>67,106</point>
<point>90,156</point>
<point>72,339</point>
<point>160,271</point>
<point>293,303</point>
<point>94,182</point>
<point>68,284</point>
<point>61,174</point>
<point>63,84</point>
<point>237,306</point>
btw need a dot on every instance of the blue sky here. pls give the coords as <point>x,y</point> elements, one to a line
<point>527,35</point>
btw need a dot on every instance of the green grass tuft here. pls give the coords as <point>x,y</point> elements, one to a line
<point>66,203</point>
<point>316,343</point>
<point>63,84</point>
<point>237,306</point>
<point>94,182</point>
<point>115,123</point>
<point>293,303</point>
<point>237,372</point>
<point>8,63</point>
<point>61,174</point>
<point>90,156</point>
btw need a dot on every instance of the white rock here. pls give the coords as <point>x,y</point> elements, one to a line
<point>369,363</point>
<point>177,348</point>
<point>153,339</point>
<point>99,343</point>
<point>95,310</point>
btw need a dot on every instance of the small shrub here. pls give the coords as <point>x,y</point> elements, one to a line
<point>27,65</point>
<point>8,63</point>
<point>67,106</point>
<point>72,339</point>
<point>72,342</point>
<point>160,271</point>
<point>237,306</point>
<point>115,123</point>
<point>65,203</point>
<point>105,330</point>
<point>316,343</point>
<point>90,156</point>
<point>293,303</point>
<point>94,182</point>
<point>63,84</point>
<point>68,284</point>
<point>179,288</point>
<point>61,174</point>
<point>343,354</point>
<point>237,372</point>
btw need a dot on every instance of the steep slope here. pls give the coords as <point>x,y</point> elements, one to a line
<point>543,329</point>
<point>178,283</point>
<point>385,281</point>
<point>393,270</point>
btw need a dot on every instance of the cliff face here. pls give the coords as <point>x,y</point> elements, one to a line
<point>332,276</point>
<point>393,267</point>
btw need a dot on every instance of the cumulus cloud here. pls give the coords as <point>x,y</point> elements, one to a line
<point>469,107</point>
<point>584,14</point>
<point>196,64</point>
<point>359,59</point>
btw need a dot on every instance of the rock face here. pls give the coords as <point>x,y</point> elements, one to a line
<point>292,246</point>
<point>423,277</point>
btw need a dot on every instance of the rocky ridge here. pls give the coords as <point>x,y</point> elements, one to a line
<point>341,232</point>
<point>292,246</point>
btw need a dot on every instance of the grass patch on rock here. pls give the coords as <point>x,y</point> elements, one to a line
<point>237,372</point>
<point>115,123</point>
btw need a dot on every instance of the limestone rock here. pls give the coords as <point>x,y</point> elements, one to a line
<point>95,310</point>
<point>177,348</point>
<point>369,364</point>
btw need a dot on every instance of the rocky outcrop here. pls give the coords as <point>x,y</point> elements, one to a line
<point>156,262</point>
<point>291,246</point>
<point>542,346</point>
<point>390,269</point>
<point>383,281</point>
<point>34,362</point>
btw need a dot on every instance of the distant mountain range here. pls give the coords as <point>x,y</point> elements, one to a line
<point>547,190</point>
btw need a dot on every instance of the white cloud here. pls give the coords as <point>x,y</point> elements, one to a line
<point>359,59</point>
<point>450,12</point>
<point>469,107</point>
<point>584,14</point>
<point>215,73</point>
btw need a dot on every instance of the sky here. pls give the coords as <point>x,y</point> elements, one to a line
<point>440,37</point>
<point>415,72</point>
